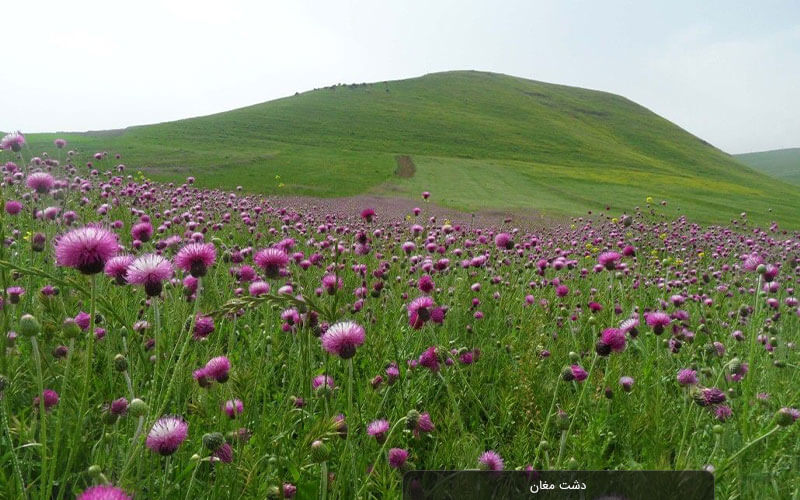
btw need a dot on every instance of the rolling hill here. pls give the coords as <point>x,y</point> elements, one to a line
<point>476,140</point>
<point>782,164</point>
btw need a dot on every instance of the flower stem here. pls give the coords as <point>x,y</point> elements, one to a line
<point>60,420</point>
<point>42,413</point>
<point>14,461</point>
<point>736,455</point>
<point>577,407</point>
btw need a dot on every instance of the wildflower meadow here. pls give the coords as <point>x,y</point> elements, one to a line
<point>167,341</point>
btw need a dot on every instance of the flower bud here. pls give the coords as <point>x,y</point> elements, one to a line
<point>319,451</point>
<point>137,408</point>
<point>213,440</point>
<point>29,325</point>
<point>70,328</point>
<point>120,363</point>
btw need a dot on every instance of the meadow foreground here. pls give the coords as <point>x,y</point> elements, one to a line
<point>166,341</point>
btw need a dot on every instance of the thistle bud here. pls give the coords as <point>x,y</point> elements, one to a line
<point>29,325</point>
<point>562,420</point>
<point>213,440</point>
<point>137,408</point>
<point>120,363</point>
<point>412,418</point>
<point>319,451</point>
<point>70,328</point>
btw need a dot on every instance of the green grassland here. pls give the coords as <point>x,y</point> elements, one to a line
<point>480,141</point>
<point>782,164</point>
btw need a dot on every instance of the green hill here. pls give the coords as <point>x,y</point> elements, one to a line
<point>782,164</point>
<point>475,140</point>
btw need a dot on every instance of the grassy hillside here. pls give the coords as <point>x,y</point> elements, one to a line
<point>782,164</point>
<point>476,140</point>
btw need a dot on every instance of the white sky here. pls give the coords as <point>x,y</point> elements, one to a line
<point>727,71</point>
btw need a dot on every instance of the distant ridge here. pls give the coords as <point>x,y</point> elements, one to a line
<point>783,164</point>
<point>477,140</point>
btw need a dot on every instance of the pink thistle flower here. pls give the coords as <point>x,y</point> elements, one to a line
<point>196,258</point>
<point>368,214</point>
<point>419,311</point>
<point>41,182</point>
<point>233,407</point>
<point>709,396</point>
<point>13,207</point>
<point>119,406</point>
<point>503,241</point>
<point>687,377</point>
<point>258,288</point>
<point>609,260</point>
<point>331,283</point>
<point>574,372</point>
<point>342,339</point>
<point>142,231</point>
<point>324,381</point>
<point>378,430</point>
<point>83,320</point>
<point>86,249</point>
<point>117,267</point>
<point>723,412</point>
<point>50,398</point>
<point>424,423</point>
<point>430,359</point>
<point>150,270</point>
<point>218,368</point>
<point>272,261</point>
<point>13,141</point>
<point>657,321</point>
<point>397,457</point>
<point>203,326</point>
<point>103,492</point>
<point>490,460</point>
<point>611,339</point>
<point>60,143</point>
<point>751,262</point>
<point>426,284</point>
<point>224,453</point>
<point>289,490</point>
<point>167,435</point>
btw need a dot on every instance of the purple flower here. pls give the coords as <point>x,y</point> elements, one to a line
<point>117,267</point>
<point>203,326</point>
<point>50,398</point>
<point>103,492</point>
<point>233,407</point>
<point>687,377</point>
<point>167,435</point>
<point>657,321</point>
<point>490,460</point>
<point>149,270</point>
<point>430,359</point>
<point>41,182</point>
<point>378,430</point>
<point>611,339</point>
<point>142,231</point>
<point>504,241</point>
<point>86,249</point>
<point>324,381</point>
<point>196,258</point>
<point>13,141</point>
<point>609,260</point>
<point>342,339</point>
<point>272,261</point>
<point>397,457</point>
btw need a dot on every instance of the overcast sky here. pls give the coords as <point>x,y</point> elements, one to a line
<point>727,71</point>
